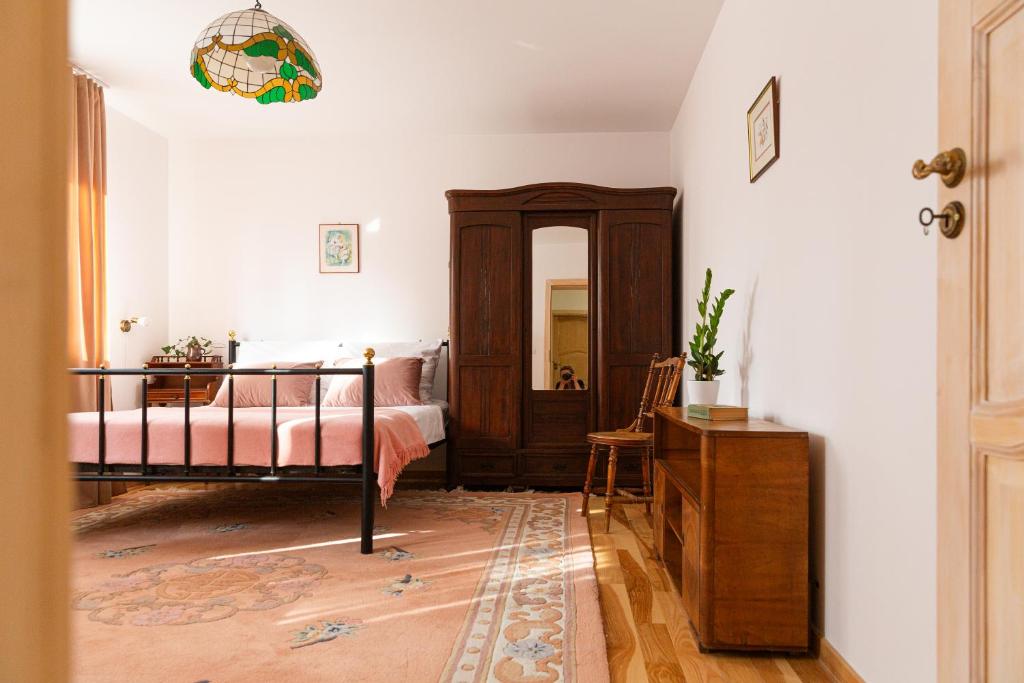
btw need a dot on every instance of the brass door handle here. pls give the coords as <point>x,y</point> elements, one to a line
<point>950,165</point>
<point>951,219</point>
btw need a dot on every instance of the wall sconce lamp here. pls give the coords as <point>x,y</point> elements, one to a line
<point>128,323</point>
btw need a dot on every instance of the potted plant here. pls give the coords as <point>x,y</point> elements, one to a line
<point>703,388</point>
<point>190,348</point>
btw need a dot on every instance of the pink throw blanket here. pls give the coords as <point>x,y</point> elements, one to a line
<point>397,439</point>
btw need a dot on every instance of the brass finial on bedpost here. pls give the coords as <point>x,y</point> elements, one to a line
<point>231,335</point>
<point>368,355</point>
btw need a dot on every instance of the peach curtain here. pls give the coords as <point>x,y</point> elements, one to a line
<point>87,294</point>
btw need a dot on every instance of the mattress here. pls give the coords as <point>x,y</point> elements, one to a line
<point>401,434</point>
<point>431,419</point>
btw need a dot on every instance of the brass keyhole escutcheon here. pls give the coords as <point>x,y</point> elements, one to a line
<point>950,165</point>
<point>951,219</point>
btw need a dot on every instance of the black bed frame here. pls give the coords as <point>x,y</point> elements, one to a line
<point>144,472</point>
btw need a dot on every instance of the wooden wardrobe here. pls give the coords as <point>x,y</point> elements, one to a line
<point>503,431</point>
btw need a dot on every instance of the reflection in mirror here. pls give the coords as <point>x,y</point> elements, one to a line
<point>561,329</point>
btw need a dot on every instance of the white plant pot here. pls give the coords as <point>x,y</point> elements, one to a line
<point>699,391</point>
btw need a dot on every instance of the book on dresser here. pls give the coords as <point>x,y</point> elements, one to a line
<point>731,520</point>
<point>707,411</point>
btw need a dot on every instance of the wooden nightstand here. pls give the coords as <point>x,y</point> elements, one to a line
<point>170,391</point>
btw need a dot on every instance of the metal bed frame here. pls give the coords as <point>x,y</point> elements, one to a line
<point>144,472</point>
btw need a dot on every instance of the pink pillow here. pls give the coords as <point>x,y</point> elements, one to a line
<point>396,382</point>
<point>253,391</point>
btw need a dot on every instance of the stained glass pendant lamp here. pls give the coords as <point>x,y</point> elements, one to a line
<point>254,54</point>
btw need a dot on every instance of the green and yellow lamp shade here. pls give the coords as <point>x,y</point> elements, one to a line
<point>254,54</point>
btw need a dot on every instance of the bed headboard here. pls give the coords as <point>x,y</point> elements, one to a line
<point>440,377</point>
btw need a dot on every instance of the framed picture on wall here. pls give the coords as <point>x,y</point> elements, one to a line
<point>339,247</point>
<point>763,130</point>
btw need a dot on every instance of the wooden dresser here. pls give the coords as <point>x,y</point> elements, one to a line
<point>731,526</point>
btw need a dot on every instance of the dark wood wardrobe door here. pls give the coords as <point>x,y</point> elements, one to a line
<point>635,306</point>
<point>486,301</point>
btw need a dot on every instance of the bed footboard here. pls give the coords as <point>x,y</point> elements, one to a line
<point>272,474</point>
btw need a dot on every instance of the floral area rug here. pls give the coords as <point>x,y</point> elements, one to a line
<point>267,584</point>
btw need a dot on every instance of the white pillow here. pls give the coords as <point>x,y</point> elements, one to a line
<point>429,351</point>
<point>323,350</point>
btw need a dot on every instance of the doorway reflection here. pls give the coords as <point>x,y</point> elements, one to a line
<point>561,315</point>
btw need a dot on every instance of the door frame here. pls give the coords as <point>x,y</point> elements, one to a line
<point>549,318</point>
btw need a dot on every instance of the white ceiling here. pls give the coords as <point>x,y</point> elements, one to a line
<point>458,66</point>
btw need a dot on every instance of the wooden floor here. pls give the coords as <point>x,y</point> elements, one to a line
<point>649,638</point>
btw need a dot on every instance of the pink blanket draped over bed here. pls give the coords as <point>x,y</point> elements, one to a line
<point>397,439</point>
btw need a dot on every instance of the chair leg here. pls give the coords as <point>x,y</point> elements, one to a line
<point>613,461</point>
<point>645,465</point>
<point>590,479</point>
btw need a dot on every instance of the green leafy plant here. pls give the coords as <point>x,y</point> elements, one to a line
<point>703,358</point>
<point>180,348</point>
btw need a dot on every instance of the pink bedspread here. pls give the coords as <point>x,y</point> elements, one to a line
<point>397,439</point>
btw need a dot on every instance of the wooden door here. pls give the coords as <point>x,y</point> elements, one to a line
<point>570,333</point>
<point>485,347</point>
<point>635,307</point>
<point>35,491</point>
<point>981,347</point>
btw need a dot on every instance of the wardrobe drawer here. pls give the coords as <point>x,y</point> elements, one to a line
<point>487,465</point>
<point>545,464</point>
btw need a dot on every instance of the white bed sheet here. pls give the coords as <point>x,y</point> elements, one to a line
<point>430,418</point>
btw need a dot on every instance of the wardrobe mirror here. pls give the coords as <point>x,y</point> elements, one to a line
<point>561,324</point>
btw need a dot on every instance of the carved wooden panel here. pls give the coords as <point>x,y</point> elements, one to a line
<point>485,351</point>
<point>636,307</point>
<point>486,414</point>
<point>622,401</point>
<point>557,418</point>
<point>1003,246</point>
<point>486,283</point>
<point>1004,555</point>
<point>638,286</point>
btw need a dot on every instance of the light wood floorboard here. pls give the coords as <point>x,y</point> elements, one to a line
<point>649,636</point>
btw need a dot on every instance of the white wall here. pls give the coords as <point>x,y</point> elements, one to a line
<point>137,186</point>
<point>833,325</point>
<point>244,219</point>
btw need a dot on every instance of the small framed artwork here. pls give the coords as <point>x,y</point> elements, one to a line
<point>339,248</point>
<point>763,130</point>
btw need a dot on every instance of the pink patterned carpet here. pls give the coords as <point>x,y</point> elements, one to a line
<point>267,584</point>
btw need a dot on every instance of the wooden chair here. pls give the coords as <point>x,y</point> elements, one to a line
<point>660,390</point>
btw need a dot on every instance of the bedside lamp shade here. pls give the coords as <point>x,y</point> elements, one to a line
<point>254,54</point>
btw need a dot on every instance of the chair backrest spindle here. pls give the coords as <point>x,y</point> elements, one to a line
<point>660,390</point>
